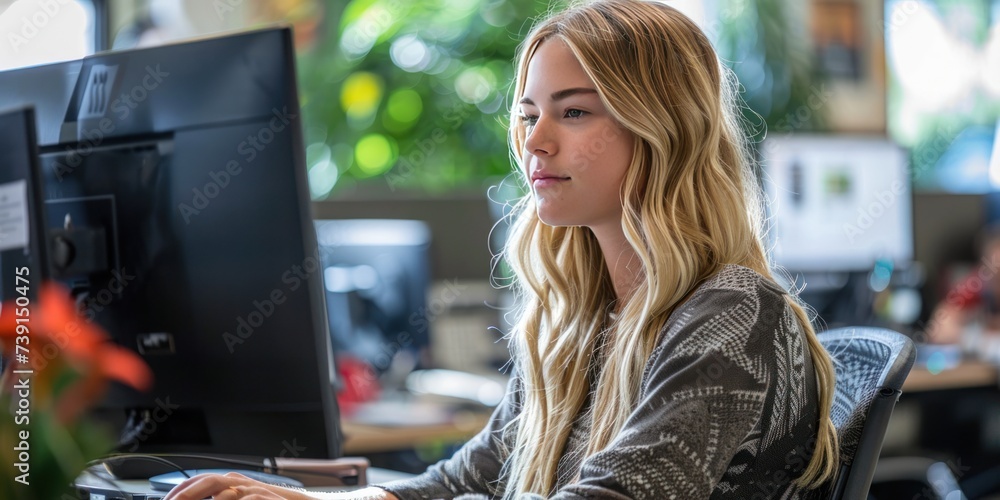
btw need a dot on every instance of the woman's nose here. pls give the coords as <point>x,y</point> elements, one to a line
<point>540,139</point>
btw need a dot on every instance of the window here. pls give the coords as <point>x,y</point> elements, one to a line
<point>45,31</point>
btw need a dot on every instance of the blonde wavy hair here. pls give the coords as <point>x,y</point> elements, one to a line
<point>690,206</point>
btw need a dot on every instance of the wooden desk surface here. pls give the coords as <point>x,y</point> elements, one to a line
<point>361,438</point>
<point>966,374</point>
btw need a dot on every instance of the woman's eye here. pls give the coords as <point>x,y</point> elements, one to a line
<point>575,113</point>
<point>528,120</point>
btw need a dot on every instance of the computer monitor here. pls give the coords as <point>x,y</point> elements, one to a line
<point>376,273</point>
<point>178,214</point>
<point>837,203</point>
<point>22,259</point>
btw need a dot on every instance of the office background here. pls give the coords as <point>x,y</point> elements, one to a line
<point>401,100</point>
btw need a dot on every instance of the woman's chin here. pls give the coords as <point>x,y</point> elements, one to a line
<point>556,220</point>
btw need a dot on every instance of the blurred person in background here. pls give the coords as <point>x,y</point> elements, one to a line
<point>972,305</point>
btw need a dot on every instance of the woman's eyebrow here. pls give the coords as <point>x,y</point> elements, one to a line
<point>562,94</point>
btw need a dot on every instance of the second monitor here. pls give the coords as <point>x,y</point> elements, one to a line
<point>376,274</point>
<point>838,203</point>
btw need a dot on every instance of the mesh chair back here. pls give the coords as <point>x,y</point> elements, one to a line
<point>871,365</point>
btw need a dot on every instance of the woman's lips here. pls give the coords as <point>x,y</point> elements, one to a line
<point>544,182</point>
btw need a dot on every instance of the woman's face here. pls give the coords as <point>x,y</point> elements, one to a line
<point>575,154</point>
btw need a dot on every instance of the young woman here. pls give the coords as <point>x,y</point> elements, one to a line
<point>654,356</point>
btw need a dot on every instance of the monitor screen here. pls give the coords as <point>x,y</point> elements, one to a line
<point>943,91</point>
<point>175,191</point>
<point>837,203</point>
<point>376,273</point>
<point>22,259</point>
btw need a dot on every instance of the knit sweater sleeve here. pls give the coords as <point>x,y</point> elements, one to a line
<point>701,402</point>
<point>475,468</point>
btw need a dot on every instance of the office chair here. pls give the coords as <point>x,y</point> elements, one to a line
<point>871,365</point>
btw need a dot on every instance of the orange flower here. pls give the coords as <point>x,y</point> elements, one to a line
<point>57,336</point>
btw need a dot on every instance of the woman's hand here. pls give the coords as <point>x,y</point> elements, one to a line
<point>230,487</point>
<point>237,486</point>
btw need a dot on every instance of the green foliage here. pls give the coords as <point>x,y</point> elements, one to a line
<point>58,453</point>
<point>764,42</point>
<point>411,95</point>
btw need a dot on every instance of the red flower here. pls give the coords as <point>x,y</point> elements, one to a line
<point>57,336</point>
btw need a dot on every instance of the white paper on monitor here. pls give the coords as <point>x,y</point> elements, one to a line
<point>13,215</point>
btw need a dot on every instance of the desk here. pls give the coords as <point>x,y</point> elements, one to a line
<point>966,374</point>
<point>361,438</point>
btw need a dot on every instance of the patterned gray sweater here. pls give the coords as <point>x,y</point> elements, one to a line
<point>728,410</point>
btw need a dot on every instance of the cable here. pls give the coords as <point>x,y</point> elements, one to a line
<point>132,430</point>
<point>159,459</point>
<point>257,466</point>
<point>139,456</point>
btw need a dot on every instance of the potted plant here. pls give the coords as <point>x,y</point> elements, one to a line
<point>56,366</point>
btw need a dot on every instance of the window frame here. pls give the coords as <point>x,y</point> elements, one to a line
<point>102,22</point>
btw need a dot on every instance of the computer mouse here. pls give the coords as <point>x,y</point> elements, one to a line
<point>166,482</point>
